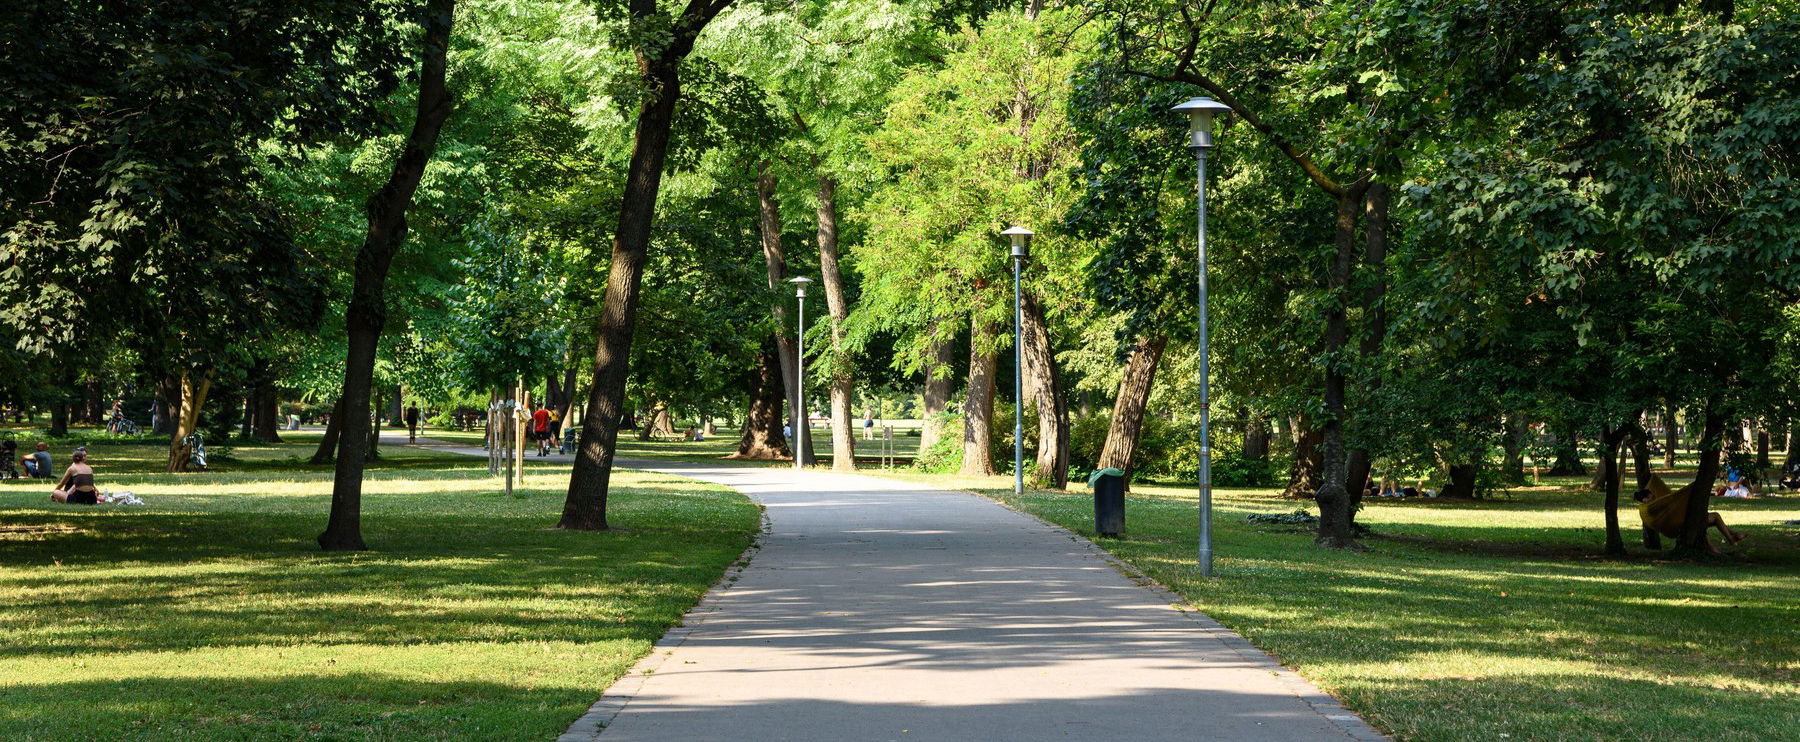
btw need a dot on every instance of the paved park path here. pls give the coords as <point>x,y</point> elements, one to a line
<point>883,610</point>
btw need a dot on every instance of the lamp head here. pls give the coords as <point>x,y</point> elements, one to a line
<point>800,283</point>
<point>1020,238</point>
<point>1201,111</point>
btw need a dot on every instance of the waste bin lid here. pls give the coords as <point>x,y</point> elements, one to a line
<point>1107,472</point>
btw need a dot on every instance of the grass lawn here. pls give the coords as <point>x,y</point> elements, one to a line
<point>1490,620</point>
<point>209,614</point>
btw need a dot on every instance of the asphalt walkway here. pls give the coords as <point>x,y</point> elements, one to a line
<point>883,610</point>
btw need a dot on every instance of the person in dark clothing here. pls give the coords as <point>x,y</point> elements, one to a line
<point>37,465</point>
<point>412,423</point>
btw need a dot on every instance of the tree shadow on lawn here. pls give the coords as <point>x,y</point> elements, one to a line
<point>322,706</point>
<point>148,580</point>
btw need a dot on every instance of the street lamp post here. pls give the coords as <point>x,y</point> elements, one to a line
<point>1200,112</point>
<point>801,423</point>
<point>1020,238</point>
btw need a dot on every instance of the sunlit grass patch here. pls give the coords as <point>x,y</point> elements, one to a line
<point>209,613</point>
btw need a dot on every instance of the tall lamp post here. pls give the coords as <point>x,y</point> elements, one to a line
<point>1021,237</point>
<point>1200,112</point>
<point>801,421</point>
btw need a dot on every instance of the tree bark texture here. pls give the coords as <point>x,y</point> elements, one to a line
<point>1120,449</point>
<point>775,260</point>
<point>762,438</point>
<point>1461,482</point>
<point>1256,436</point>
<point>1333,497</point>
<point>1304,475</point>
<point>1671,438</point>
<point>978,408</point>
<point>938,385</point>
<point>366,313</point>
<point>1693,529</point>
<point>843,385</point>
<point>1610,441</point>
<point>168,394</point>
<point>1793,447</point>
<point>1045,389</point>
<point>334,427</point>
<point>193,400</point>
<point>1762,447</point>
<point>267,405</point>
<point>1568,456</point>
<point>1512,444</point>
<point>659,70</point>
<point>1374,331</point>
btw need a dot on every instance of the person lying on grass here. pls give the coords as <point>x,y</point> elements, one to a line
<point>77,484</point>
<point>1666,513</point>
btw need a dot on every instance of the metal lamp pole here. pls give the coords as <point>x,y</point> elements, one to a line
<point>1020,236</point>
<point>801,423</point>
<point>1200,112</point>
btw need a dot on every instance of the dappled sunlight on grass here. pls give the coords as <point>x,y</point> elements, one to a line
<point>210,614</point>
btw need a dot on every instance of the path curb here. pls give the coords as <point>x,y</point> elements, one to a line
<point>617,696</point>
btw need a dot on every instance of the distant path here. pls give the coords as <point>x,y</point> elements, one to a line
<point>884,610</point>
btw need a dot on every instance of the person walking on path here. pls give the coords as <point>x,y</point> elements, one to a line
<point>540,429</point>
<point>412,423</point>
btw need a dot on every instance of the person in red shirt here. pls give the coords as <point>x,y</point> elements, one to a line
<point>540,429</point>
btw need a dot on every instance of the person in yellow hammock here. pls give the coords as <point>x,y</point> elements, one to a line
<point>1664,510</point>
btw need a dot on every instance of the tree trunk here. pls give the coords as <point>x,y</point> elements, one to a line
<point>1671,437</point>
<point>938,386</point>
<point>659,68</point>
<point>168,394</point>
<point>1462,480</point>
<point>373,452</point>
<point>1512,442</point>
<point>93,410</point>
<point>59,418</point>
<point>1128,407</point>
<point>1793,447</point>
<point>334,427</point>
<point>1610,440</point>
<point>1256,436</point>
<point>762,438</point>
<point>267,410</point>
<point>193,399</point>
<point>1334,498</point>
<point>775,260</point>
<point>1305,474</point>
<point>248,425</point>
<point>1762,448</point>
<point>1046,387</point>
<point>1693,530</point>
<point>366,313</point>
<point>1568,456</point>
<point>1374,335</point>
<point>843,385</point>
<point>978,407</point>
<point>661,424</point>
<point>1640,455</point>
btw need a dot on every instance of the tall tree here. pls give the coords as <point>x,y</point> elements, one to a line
<point>366,314</point>
<point>659,41</point>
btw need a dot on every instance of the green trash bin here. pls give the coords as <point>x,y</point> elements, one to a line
<point>1109,501</point>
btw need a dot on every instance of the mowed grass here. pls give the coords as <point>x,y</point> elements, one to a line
<point>210,614</point>
<point>1490,620</point>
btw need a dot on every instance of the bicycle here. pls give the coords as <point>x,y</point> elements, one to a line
<point>196,451</point>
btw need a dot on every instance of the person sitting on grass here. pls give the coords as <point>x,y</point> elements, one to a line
<point>37,465</point>
<point>1664,510</point>
<point>77,484</point>
<point>1790,479</point>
